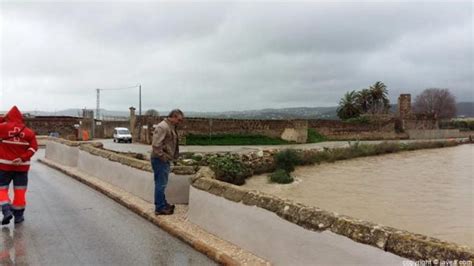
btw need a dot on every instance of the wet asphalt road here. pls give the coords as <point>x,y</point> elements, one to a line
<point>68,223</point>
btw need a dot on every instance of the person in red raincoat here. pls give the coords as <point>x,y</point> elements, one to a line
<point>17,146</point>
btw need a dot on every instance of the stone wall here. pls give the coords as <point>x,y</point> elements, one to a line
<point>339,130</point>
<point>271,128</point>
<point>142,127</point>
<point>105,129</point>
<point>413,121</point>
<point>291,130</point>
<point>402,243</point>
<point>44,125</point>
<point>420,122</point>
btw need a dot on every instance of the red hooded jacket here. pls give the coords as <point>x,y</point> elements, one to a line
<point>16,141</point>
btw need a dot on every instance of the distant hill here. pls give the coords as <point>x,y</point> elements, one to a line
<point>465,109</point>
<point>283,113</point>
<point>77,112</point>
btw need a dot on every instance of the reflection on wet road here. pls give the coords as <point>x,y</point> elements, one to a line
<point>68,223</point>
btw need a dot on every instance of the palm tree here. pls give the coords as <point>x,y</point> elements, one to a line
<point>380,102</point>
<point>348,107</point>
<point>364,100</point>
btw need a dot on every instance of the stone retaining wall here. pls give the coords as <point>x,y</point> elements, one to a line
<point>339,130</point>
<point>399,242</point>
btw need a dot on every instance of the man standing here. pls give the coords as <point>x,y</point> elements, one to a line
<point>17,145</point>
<point>165,149</point>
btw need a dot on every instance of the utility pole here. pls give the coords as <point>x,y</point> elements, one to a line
<point>97,108</point>
<point>140,99</point>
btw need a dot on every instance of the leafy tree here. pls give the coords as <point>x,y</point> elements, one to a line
<point>439,103</point>
<point>348,106</point>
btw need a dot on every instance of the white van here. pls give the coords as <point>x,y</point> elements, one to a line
<point>122,134</point>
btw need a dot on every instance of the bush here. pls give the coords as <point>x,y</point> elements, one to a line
<point>314,136</point>
<point>196,157</point>
<point>280,176</point>
<point>230,169</point>
<point>287,160</point>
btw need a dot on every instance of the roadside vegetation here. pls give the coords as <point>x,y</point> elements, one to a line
<point>233,139</point>
<point>287,160</point>
<point>230,169</point>
<point>314,136</point>
<point>461,124</point>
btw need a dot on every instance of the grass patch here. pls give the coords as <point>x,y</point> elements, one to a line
<point>314,136</point>
<point>362,120</point>
<point>230,139</point>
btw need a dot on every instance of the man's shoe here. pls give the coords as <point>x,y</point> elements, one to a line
<point>7,214</point>
<point>170,206</point>
<point>165,211</point>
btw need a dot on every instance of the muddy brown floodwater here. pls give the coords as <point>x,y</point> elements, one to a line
<point>426,191</point>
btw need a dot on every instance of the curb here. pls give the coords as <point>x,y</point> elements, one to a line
<point>135,204</point>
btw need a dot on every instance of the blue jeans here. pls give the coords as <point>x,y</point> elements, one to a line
<point>161,170</point>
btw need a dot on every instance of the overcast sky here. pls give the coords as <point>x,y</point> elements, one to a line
<point>205,56</point>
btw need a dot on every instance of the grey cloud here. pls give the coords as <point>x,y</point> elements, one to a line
<point>210,57</point>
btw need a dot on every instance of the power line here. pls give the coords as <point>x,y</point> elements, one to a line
<point>139,86</point>
<point>125,88</point>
